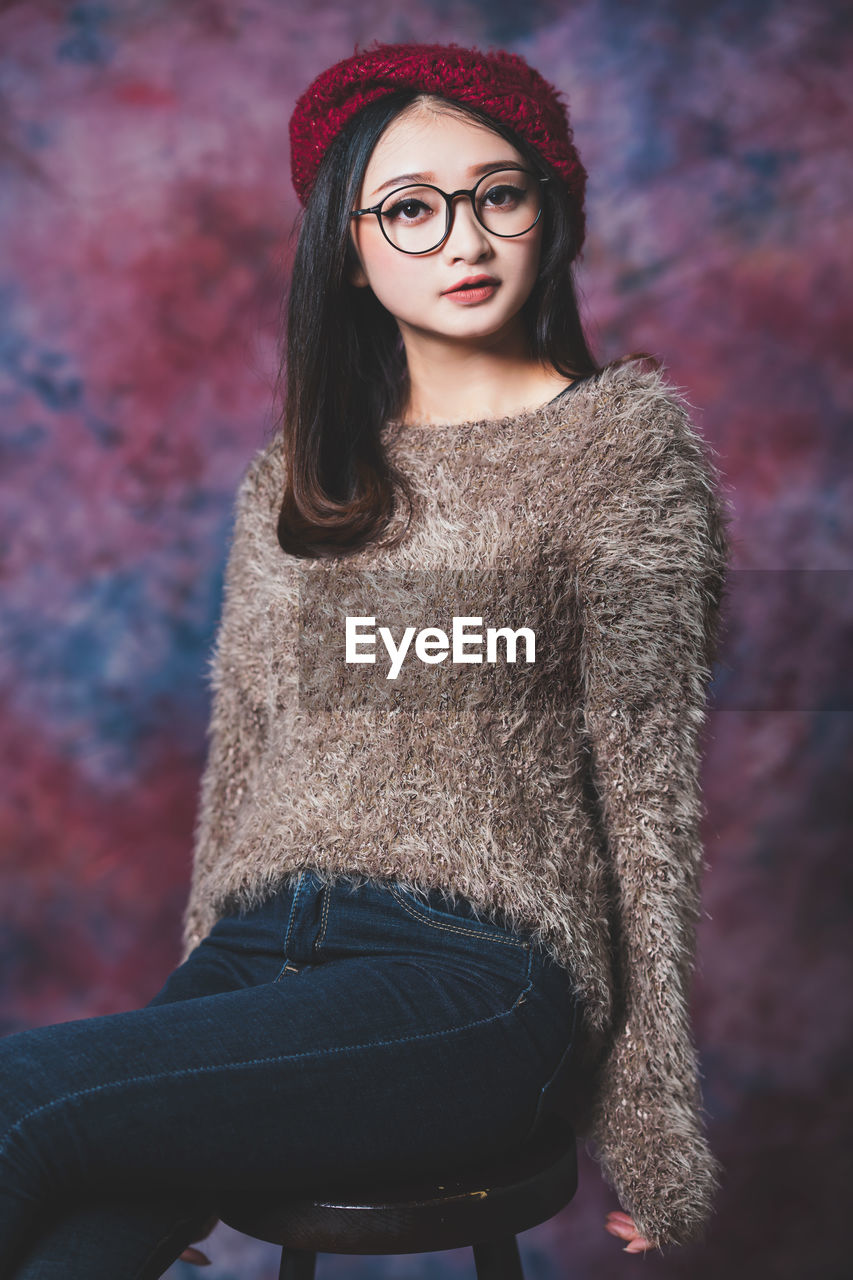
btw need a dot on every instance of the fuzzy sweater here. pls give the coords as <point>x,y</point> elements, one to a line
<point>560,792</point>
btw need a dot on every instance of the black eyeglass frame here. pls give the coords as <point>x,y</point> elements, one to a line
<point>449,197</point>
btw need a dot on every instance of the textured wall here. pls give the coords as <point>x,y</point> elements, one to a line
<point>145,210</point>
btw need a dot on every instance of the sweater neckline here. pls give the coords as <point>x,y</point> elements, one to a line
<point>470,425</point>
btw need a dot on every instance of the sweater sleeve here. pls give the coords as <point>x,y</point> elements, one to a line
<point>651,571</point>
<point>238,721</point>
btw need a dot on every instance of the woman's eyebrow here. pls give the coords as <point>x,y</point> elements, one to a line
<point>430,177</point>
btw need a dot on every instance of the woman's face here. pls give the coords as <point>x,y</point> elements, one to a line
<point>450,153</point>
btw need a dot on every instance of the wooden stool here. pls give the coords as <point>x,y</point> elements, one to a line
<point>483,1206</point>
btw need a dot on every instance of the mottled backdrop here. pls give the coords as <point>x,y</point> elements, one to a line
<point>145,216</point>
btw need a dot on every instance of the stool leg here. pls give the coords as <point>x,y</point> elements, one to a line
<point>297,1264</point>
<point>498,1260</point>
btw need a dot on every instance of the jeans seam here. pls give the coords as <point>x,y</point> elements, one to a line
<point>449,928</point>
<point>258,1062</point>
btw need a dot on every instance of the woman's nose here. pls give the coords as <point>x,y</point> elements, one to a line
<point>465,235</point>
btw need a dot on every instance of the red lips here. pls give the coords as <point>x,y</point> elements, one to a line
<point>472,280</point>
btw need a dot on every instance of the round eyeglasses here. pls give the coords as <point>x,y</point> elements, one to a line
<point>418,218</point>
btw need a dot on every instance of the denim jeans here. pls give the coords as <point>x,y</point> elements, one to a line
<point>332,1034</point>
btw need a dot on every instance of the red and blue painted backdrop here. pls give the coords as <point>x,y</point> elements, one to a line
<point>145,222</point>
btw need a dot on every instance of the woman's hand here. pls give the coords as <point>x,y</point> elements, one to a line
<point>196,1256</point>
<point>622,1225</point>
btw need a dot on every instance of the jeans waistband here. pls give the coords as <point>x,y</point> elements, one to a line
<point>312,919</point>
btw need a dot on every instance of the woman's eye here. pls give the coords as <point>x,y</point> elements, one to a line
<point>503,195</point>
<point>409,209</point>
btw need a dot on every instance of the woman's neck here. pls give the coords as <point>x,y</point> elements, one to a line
<point>463,384</point>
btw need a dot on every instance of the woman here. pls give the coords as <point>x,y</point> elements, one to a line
<point>440,888</point>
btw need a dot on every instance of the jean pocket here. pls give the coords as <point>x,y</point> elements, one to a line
<point>435,911</point>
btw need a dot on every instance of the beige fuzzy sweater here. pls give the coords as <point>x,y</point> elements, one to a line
<point>560,791</point>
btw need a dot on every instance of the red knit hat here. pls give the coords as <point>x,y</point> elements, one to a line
<point>501,84</point>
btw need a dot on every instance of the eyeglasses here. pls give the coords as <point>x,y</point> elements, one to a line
<point>417,219</point>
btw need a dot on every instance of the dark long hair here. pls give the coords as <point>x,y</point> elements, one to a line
<point>344,365</point>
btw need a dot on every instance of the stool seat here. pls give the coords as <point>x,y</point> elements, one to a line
<point>480,1205</point>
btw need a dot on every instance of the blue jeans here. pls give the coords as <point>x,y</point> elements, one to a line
<point>333,1033</point>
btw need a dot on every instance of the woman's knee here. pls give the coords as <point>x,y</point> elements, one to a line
<point>25,1058</point>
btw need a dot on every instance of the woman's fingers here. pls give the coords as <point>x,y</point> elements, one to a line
<point>622,1225</point>
<point>638,1245</point>
<point>195,1256</point>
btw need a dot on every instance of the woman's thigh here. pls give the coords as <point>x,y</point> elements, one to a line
<point>352,1062</point>
<point>385,1032</point>
<point>370,1032</point>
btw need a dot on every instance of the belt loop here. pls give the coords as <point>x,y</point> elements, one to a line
<point>296,891</point>
<point>324,917</point>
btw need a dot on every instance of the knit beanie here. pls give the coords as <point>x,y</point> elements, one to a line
<point>501,84</point>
